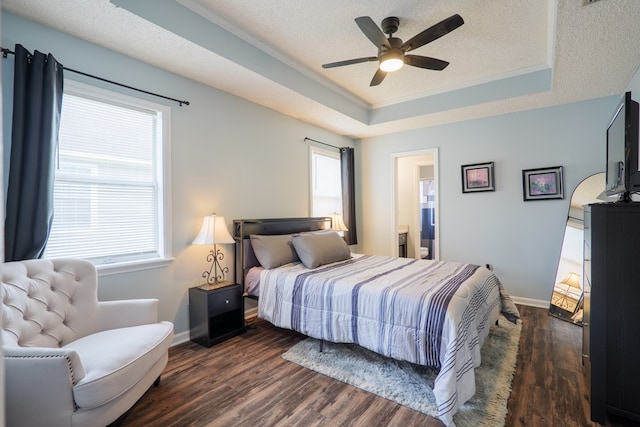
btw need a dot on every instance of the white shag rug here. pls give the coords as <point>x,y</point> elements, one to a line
<point>411,385</point>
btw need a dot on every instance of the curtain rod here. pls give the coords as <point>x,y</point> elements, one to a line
<point>320,142</point>
<point>6,52</point>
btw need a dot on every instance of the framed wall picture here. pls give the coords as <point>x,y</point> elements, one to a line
<point>542,183</point>
<point>477,177</point>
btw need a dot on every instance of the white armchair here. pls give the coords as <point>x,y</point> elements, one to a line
<point>71,360</point>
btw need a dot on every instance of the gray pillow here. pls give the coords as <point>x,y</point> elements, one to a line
<point>319,248</point>
<point>273,251</point>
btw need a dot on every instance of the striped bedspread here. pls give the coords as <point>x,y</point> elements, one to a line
<point>426,312</point>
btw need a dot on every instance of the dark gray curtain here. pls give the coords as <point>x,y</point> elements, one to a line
<point>37,103</point>
<point>348,194</point>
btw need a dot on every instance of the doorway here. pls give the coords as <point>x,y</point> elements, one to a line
<point>415,203</point>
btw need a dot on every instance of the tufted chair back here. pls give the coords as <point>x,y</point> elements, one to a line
<point>47,303</point>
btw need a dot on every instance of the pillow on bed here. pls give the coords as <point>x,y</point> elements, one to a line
<point>321,247</point>
<point>273,251</point>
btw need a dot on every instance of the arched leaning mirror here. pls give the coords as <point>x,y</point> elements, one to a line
<point>566,299</point>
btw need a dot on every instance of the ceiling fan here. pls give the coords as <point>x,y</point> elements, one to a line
<point>392,52</point>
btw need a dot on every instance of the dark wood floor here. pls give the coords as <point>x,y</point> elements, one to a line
<point>245,382</point>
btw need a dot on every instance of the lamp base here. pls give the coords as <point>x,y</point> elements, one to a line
<point>212,286</point>
<point>214,257</point>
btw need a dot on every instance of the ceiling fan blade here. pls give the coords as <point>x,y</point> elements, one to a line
<point>373,32</point>
<point>432,33</point>
<point>425,62</point>
<point>349,62</point>
<point>378,77</point>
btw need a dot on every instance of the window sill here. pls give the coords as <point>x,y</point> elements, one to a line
<point>128,267</point>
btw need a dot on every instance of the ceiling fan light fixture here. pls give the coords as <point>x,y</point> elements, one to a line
<point>391,61</point>
<point>392,51</point>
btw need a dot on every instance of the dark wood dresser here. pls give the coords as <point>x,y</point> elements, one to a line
<point>611,345</point>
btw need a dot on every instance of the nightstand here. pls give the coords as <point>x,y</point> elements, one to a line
<point>216,313</point>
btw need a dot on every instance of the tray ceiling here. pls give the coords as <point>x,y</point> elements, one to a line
<point>510,55</point>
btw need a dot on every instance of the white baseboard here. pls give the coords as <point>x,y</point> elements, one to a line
<point>179,338</point>
<point>540,303</point>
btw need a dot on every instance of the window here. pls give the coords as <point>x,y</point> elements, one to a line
<point>326,187</point>
<point>110,192</point>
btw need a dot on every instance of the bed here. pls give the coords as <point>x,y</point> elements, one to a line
<point>426,312</point>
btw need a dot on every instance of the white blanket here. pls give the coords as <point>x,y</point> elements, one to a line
<point>426,312</point>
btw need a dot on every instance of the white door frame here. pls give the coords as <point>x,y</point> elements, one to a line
<point>414,226</point>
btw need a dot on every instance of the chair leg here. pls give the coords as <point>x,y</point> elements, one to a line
<point>156,383</point>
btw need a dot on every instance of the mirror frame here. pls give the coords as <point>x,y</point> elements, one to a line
<point>565,291</point>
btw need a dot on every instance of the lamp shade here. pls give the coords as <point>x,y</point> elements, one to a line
<point>214,230</point>
<point>337,223</point>
<point>572,281</point>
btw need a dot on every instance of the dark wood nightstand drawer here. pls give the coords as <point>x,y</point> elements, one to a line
<point>225,300</point>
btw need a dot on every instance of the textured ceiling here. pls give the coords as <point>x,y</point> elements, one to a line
<point>316,32</point>
<point>510,55</point>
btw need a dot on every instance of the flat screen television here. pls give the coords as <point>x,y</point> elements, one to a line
<point>622,167</point>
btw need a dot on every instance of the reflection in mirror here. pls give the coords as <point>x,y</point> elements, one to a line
<point>566,299</point>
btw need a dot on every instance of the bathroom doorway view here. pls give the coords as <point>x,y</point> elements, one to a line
<point>416,204</point>
<point>427,212</point>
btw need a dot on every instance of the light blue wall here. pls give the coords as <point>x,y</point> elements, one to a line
<point>521,239</point>
<point>229,156</point>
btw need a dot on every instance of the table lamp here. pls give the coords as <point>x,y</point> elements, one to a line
<point>337,223</point>
<point>213,232</point>
<point>569,287</point>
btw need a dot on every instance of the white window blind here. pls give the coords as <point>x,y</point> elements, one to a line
<point>326,188</point>
<point>108,192</point>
